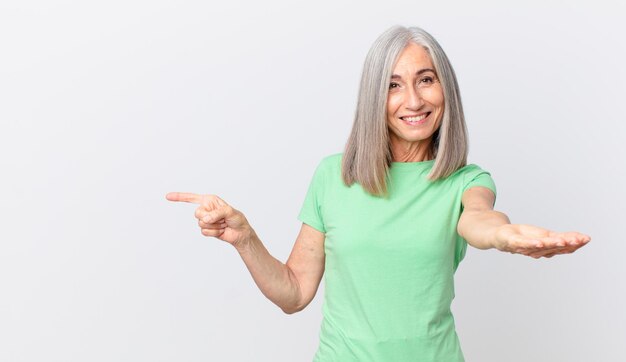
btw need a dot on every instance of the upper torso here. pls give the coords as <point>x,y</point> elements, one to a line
<point>389,263</point>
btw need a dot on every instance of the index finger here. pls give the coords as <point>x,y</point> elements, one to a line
<point>184,196</point>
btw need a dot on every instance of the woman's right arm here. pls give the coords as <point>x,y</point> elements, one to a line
<point>290,286</point>
<point>293,285</point>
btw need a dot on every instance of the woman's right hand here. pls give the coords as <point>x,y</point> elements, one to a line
<point>216,218</point>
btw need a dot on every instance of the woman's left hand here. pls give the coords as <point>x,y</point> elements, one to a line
<point>537,242</point>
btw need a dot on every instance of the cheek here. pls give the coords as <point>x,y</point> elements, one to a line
<point>437,101</point>
<point>434,95</point>
<point>393,102</point>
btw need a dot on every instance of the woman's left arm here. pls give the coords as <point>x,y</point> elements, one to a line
<point>485,228</point>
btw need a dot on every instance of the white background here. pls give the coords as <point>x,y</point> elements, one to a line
<point>107,106</point>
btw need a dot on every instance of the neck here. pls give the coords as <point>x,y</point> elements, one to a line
<point>411,151</point>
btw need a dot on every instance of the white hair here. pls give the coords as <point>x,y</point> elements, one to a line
<point>367,157</point>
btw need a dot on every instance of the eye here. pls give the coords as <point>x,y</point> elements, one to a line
<point>427,80</point>
<point>393,85</point>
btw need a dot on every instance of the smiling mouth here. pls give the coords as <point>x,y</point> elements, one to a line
<point>413,120</point>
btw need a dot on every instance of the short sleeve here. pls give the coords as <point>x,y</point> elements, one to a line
<point>480,177</point>
<point>311,211</point>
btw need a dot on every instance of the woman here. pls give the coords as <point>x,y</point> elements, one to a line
<point>388,221</point>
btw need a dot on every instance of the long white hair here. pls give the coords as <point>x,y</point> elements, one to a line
<point>367,156</point>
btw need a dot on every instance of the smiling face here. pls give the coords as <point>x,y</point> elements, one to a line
<point>415,105</point>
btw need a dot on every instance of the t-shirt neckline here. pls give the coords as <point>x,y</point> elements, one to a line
<point>411,165</point>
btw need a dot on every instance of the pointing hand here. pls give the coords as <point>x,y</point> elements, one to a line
<point>216,218</point>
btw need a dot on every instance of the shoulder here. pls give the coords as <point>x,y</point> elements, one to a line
<point>331,162</point>
<point>472,175</point>
<point>468,172</point>
<point>329,165</point>
<point>333,158</point>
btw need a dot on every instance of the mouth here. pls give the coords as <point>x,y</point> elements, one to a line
<point>415,119</point>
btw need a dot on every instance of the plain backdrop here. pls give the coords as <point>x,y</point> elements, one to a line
<point>107,106</point>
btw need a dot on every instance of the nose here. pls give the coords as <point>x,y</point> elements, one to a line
<point>413,99</point>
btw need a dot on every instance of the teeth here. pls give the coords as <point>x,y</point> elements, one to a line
<point>415,119</point>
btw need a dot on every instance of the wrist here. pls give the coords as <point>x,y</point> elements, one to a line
<point>246,242</point>
<point>492,237</point>
<point>500,237</point>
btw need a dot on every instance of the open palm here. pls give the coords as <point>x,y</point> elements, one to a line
<point>538,242</point>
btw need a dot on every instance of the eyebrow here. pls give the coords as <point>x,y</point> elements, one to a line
<point>395,76</point>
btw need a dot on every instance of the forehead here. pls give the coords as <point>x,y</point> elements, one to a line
<point>414,57</point>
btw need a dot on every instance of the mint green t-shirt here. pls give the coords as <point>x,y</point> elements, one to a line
<point>390,262</point>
